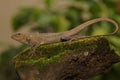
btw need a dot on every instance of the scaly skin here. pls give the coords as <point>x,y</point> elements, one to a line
<point>46,38</point>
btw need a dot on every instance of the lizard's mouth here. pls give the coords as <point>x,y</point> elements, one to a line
<point>13,37</point>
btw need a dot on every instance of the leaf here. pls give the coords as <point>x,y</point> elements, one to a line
<point>95,9</point>
<point>45,18</point>
<point>24,16</point>
<point>61,23</point>
<point>49,3</point>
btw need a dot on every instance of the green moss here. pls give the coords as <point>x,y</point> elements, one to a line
<point>54,53</point>
<point>43,61</point>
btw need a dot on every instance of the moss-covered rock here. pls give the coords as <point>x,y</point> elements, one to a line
<point>74,59</point>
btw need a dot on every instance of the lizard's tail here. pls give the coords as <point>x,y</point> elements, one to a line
<point>88,23</point>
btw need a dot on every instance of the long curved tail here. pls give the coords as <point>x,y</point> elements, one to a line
<point>88,23</point>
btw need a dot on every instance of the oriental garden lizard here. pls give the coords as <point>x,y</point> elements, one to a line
<point>47,38</point>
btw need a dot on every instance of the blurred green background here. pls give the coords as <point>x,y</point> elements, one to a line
<point>55,18</point>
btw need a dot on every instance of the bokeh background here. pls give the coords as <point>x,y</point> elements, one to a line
<point>31,16</point>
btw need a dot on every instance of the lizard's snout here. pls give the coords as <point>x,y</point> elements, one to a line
<point>13,36</point>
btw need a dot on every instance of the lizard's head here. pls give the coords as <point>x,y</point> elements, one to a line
<point>28,38</point>
<point>19,37</point>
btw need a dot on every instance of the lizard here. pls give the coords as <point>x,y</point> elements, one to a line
<point>47,38</point>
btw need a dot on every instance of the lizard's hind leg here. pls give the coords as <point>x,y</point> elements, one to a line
<point>72,38</point>
<point>66,38</point>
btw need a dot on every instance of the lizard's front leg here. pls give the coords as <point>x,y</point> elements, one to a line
<point>34,49</point>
